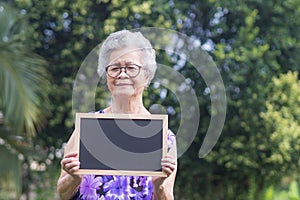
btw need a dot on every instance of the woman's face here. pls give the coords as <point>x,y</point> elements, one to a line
<point>123,85</point>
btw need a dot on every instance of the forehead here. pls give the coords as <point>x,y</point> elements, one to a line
<point>128,54</point>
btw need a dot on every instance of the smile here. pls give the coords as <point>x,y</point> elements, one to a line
<point>123,84</point>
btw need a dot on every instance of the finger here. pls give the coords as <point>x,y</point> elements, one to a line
<point>72,164</point>
<point>71,154</point>
<point>71,167</point>
<point>170,167</point>
<point>168,162</point>
<point>66,164</point>
<point>164,160</point>
<point>68,160</point>
<point>69,157</point>
<point>167,170</point>
<point>169,158</point>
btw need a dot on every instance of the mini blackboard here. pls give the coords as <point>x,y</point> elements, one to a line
<point>121,144</point>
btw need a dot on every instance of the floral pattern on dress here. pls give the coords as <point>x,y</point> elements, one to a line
<point>89,186</point>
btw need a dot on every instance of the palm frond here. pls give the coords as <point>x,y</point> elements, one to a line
<point>23,82</point>
<point>10,173</point>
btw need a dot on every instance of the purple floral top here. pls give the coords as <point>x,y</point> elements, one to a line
<point>96,187</point>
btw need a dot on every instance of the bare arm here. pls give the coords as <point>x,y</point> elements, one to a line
<point>69,182</point>
<point>163,186</point>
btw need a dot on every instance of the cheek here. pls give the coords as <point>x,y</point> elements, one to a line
<point>142,79</point>
<point>143,82</point>
<point>110,85</point>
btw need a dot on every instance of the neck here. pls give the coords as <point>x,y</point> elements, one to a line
<point>132,105</point>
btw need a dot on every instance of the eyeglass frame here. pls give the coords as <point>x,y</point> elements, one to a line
<point>125,69</point>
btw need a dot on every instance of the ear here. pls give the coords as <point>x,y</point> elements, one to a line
<point>147,81</point>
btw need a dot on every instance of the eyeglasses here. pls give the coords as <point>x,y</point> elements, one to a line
<point>131,69</point>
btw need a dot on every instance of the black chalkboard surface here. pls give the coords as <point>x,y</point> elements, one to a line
<point>121,144</point>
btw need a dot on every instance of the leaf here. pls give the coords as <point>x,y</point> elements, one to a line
<point>23,82</point>
<point>10,172</point>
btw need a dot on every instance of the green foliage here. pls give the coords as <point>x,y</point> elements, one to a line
<point>10,174</point>
<point>252,42</point>
<point>64,32</point>
<point>23,98</point>
<point>291,193</point>
<point>23,80</point>
<point>282,123</point>
<point>46,189</point>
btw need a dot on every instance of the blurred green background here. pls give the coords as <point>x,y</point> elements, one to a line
<point>255,44</point>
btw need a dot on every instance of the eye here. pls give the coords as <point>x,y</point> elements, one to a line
<point>114,68</point>
<point>131,67</point>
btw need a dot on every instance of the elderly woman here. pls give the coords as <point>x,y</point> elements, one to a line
<point>129,62</point>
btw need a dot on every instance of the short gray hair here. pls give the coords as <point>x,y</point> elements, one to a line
<point>122,39</point>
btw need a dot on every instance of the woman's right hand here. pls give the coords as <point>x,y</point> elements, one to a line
<point>69,181</point>
<point>70,163</point>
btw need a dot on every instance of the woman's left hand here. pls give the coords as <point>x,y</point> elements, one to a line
<point>169,166</point>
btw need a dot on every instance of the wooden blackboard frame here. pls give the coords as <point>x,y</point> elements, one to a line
<point>83,140</point>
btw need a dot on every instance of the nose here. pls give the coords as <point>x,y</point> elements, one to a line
<point>122,74</point>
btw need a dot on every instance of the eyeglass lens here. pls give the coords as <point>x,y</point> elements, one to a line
<point>131,70</point>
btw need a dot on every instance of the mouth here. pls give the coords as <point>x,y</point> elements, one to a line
<point>123,84</point>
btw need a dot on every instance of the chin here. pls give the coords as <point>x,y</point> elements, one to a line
<point>123,94</point>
